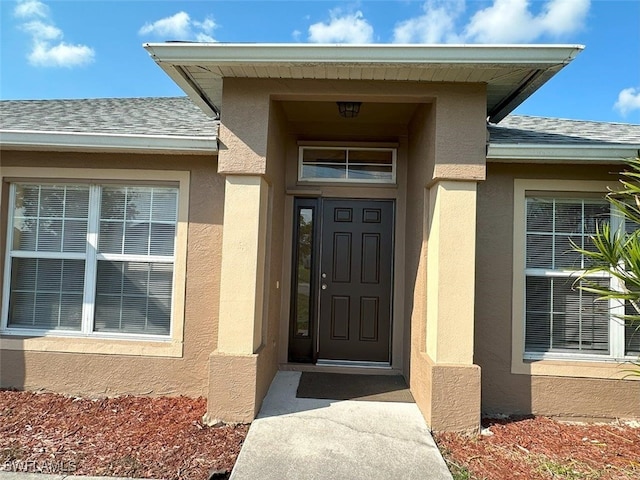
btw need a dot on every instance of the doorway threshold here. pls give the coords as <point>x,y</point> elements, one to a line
<point>352,364</point>
<point>341,368</point>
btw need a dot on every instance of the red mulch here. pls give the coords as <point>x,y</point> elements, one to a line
<point>542,448</point>
<point>126,436</point>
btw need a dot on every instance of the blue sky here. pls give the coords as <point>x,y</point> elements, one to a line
<point>93,48</point>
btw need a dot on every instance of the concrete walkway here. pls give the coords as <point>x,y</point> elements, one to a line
<point>300,438</point>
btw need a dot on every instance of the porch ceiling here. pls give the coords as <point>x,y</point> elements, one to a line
<point>511,72</point>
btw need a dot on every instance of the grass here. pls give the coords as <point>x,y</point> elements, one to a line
<point>132,466</point>
<point>11,453</point>
<point>458,472</point>
<point>568,469</point>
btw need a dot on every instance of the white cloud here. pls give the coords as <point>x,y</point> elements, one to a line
<point>207,26</point>
<point>349,28</point>
<point>296,34</point>
<point>41,31</point>
<point>30,9</point>
<point>437,25</point>
<point>504,21</point>
<point>44,52</point>
<point>175,26</point>
<point>180,27</point>
<point>60,55</point>
<point>511,21</point>
<point>204,38</point>
<point>628,101</point>
<point>564,16</point>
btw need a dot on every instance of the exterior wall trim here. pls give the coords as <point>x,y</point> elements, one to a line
<point>572,367</point>
<point>106,142</point>
<point>171,347</point>
<point>527,153</point>
<point>275,53</point>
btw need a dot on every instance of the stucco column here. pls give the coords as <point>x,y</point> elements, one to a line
<point>243,260</point>
<point>234,366</point>
<point>451,272</point>
<point>454,385</point>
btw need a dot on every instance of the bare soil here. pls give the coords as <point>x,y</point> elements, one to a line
<point>542,448</point>
<point>126,436</point>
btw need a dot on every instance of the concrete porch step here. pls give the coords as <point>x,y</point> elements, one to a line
<point>302,438</point>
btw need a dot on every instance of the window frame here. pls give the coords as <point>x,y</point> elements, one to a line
<point>91,257</point>
<point>87,340</point>
<point>558,363</point>
<point>616,344</point>
<point>347,149</point>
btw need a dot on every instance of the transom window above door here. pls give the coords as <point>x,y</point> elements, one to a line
<point>347,164</point>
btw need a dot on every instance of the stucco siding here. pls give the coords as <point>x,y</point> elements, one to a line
<point>115,374</point>
<point>503,391</point>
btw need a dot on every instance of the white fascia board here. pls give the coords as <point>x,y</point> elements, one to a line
<point>184,53</point>
<point>522,153</point>
<point>106,142</point>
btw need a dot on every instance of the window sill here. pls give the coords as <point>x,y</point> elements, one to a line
<point>605,368</point>
<point>93,345</point>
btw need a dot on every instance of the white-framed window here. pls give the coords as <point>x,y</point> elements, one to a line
<point>561,320</point>
<point>347,164</point>
<point>90,259</point>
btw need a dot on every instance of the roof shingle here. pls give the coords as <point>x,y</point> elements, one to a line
<point>523,129</point>
<point>178,116</point>
<point>173,116</point>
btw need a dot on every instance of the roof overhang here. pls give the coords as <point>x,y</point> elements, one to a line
<point>511,72</point>
<point>105,142</point>
<point>549,153</point>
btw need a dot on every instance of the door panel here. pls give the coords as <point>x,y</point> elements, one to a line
<point>356,280</point>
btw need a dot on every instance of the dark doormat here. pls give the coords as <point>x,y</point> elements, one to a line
<point>342,386</point>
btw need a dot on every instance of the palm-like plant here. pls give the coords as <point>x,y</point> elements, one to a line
<point>617,253</point>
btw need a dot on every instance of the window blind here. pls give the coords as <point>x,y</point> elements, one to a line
<point>130,272</point>
<point>560,317</point>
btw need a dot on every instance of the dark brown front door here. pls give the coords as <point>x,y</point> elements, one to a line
<point>356,253</point>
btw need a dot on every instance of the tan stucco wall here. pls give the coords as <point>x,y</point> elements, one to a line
<point>104,374</point>
<point>246,103</point>
<point>243,258</point>
<point>275,176</point>
<point>503,391</point>
<point>455,398</point>
<point>246,359</point>
<point>441,187</point>
<point>421,152</point>
<point>440,147</point>
<point>446,142</point>
<point>450,279</point>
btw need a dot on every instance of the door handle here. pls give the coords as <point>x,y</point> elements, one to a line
<point>324,286</point>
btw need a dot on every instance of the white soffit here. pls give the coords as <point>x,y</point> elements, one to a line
<point>512,72</point>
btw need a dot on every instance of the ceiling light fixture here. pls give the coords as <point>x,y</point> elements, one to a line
<point>349,109</point>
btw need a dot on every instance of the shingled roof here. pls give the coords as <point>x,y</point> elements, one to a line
<point>521,138</point>
<point>128,116</point>
<point>522,129</point>
<point>176,124</point>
